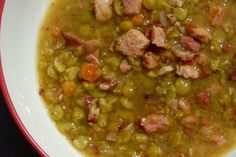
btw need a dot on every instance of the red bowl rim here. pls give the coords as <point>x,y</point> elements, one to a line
<point>10,104</point>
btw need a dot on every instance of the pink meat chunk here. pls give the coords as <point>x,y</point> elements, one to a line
<point>132,6</point>
<point>133,43</point>
<point>103,10</point>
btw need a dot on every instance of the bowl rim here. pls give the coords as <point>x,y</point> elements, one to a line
<point>9,103</point>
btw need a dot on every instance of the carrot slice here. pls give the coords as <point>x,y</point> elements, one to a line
<point>138,20</point>
<point>90,72</point>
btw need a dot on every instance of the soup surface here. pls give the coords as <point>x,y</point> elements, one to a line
<point>141,78</point>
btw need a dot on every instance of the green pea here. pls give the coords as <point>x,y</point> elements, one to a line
<point>152,74</point>
<point>65,126</point>
<point>126,25</point>
<point>126,103</point>
<point>183,86</point>
<point>118,7</point>
<point>80,142</point>
<point>141,137</point>
<point>128,89</point>
<point>56,112</point>
<point>97,93</point>
<point>105,106</point>
<point>85,31</point>
<point>180,13</point>
<point>149,4</point>
<point>86,16</point>
<point>155,15</point>
<point>154,151</point>
<point>88,86</point>
<point>215,47</point>
<point>102,120</point>
<point>78,114</point>
<point>124,136</point>
<point>219,35</point>
<point>214,64</point>
<point>114,62</point>
<point>51,72</point>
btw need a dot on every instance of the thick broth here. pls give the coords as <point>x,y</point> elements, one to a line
<point>142,110</point>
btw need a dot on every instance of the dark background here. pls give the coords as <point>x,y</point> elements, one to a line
<point>12,142</point>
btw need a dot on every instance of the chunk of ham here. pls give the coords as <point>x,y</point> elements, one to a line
<point>218,139</point>
<point>103,10</point>
<point>125,67</point>
<point>188,71</point>
<point>133,43</point>
<point>181,104</point>
<point>155,123</point>
<point>189,120</point>
<point>91,46</point>
<point>198,33</point>
<point>165,70</point>
<point>72,40</point>
<point>132,6</point>
<point>203,98</point>
<point>158,37</point>
<point>184,55</point>
<point>92,59</point>
<point>93,111</point>
<point>232,76</point>
<point>190,44</point>
<point>150,60</point>
<point>219,17</point>
<point>178,3</point>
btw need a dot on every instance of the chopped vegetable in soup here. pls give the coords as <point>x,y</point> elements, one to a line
<point>141,78</point>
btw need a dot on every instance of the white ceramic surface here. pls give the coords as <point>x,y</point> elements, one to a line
<point>19,31</point>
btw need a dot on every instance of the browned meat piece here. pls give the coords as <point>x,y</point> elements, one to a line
<point>92,59</point>
<point>91,46</point>
<point>184,105</point>
<point>125,67</point>
<point>198,33</point>
<point>87,99</point>
<point>188,71</point>
<point>205,72</point>
<point>93,111</point>
<point>165,70</point>
<point>189,120</point>
<point>104,86</point>
<point>232,76</point>
<point>155,123</point>
<point>132,6</point>
<point>203,99</point>
<point>218,139</point>
<point>181,104</point>
<point>219,17</point>
<point>190,44</point>
<point>185,56</point>
<point>150,60</point>
<point>103,10</point>
<point>111,136</point>
<point>234,113</point>
<point>201,59</point>
<point>172,18</point>
<point>72,39</point>
<point>226,46</point>
<point>158,37</point>
<point>133,43</point>
<point>178,3</point>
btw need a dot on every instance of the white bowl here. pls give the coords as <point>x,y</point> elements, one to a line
<point>20,24</point>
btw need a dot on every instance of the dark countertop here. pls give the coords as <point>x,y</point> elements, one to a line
<point>12,142</point>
